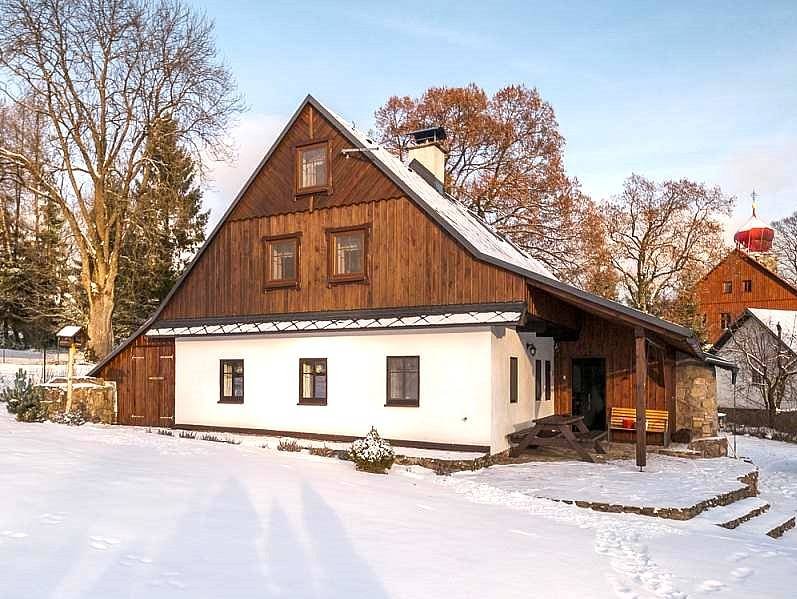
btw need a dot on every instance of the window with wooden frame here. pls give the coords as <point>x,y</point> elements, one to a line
<point>348,254</point>
<point>725,320</point>
<point>313,381</point>
<point>512,380</point>
<point>282,260</point>
<point>313,172</point>
<point>403,381</point>
<point>231,381</point>
<point>537,380</point>
<point>727,287</point>
<point>747,285</point>
<point>548,389</point>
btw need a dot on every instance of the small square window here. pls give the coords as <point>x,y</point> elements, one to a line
<point>231,384</point>
<point>403,381</point>
<point>312,168</point>
<point>725,320</point>
<point>313,381</point>
<point>727,287</point>
<point>347,254</point>
<point>282,261</point>
<point>747,285</point>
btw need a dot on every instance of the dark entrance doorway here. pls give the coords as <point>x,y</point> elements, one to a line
<point>589,391</point>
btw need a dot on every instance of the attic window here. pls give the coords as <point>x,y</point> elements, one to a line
<point>747,285</point>
<point>312,168</point>
<point>725,320</point>
<point>727,287</point>
<point>348,254</point>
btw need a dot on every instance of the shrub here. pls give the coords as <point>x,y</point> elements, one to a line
<point>324,452</point>
<point>217,439</point>
<point>372,453</point>
<point>73,418</point>
<point>187,435</point>
<point>288,445</point>
<point>24,399</point>
<point>165,432</point>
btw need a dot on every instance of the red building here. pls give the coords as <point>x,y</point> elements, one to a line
<point>745,278</point>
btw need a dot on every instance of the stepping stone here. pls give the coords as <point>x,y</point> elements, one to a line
<point>774,523</point>
<point>736,513</point>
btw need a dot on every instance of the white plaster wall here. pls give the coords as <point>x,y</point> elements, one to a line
<point>509,417</point>
<point>455,405</point>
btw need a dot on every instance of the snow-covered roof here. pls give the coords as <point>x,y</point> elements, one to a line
<point>469,226</point>
<point>787,320</point>
<point>451,318</point>
<point>69,330</point>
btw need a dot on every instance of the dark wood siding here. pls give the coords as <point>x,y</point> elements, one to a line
<point>144,375</point>
<point>768,291</point>
<point>411,262</point>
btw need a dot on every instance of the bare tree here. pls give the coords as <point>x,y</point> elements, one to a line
<point>786,246</point>
<point>662,234</point>
<point>767,362</point>
<point>101,74</point>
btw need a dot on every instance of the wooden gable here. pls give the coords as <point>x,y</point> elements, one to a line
<point>354,178</point>
<point>767,290</point>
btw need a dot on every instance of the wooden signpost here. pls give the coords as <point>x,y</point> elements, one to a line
<point>70,336</point>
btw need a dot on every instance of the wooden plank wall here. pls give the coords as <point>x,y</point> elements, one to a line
<point>411,262</point>
<point>141,400</point>
<point>768,291</point>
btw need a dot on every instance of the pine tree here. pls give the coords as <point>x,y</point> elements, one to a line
<point>168,229</point>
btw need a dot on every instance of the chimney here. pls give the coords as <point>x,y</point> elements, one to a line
<point>428,149</point>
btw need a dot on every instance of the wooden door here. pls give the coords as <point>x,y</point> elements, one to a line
<point>146,397</point>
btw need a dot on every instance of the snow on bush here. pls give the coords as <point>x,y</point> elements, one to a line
<point>24,399</point>
<point>372,453</point>
<point>73,418</point>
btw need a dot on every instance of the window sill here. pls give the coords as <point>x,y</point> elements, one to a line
<point>402,404</point>
<point>231,401</point>
<point>347,279</point>
<point>281,285</point>
<point>312,402</point>
<point>306,191</point>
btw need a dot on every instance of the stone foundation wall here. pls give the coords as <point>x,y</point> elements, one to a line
<point>696,399</point>
<point>96,398</point>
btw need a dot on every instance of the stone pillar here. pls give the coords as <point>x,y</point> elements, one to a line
<point>695,400</point>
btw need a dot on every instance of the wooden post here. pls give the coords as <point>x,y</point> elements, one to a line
<point>70,373</point>
<point>641,384</point>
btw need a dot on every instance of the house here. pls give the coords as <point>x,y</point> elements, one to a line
<point>344,288</point>
<point>763,344</point>
<point>746,278</point>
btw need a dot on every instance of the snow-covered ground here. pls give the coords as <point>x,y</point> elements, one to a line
<point>99,511</point>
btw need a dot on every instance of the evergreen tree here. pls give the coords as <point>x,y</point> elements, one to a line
<point>168,229</point>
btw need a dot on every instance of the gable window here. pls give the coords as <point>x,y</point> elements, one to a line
<point>727,287</point>
<point>313,381</point>
<point>231,381</point>
<point>548,380</point>
<point>537,380</point>
<point>282,260</point>
<point>312,168</point>
<point>348,250</point>
<point>513,380</point>
<point>747,285</point>
<point>403,381</point>
<point>725,320</point>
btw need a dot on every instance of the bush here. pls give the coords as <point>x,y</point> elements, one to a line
<point>372,453</point>
<point>187,435</point>
<point>24,399</point>
<point>324,452</point>
<point>165,432</point>
<point>288,445</point>
<point>73,418</point>
<point>217,439</point>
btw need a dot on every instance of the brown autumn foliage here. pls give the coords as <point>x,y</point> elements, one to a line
<point>662,238</point>
<point>506,164</point>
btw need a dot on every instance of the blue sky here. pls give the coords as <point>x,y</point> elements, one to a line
<point>704,90</point>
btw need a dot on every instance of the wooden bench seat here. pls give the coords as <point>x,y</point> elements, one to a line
<point>656,421</point>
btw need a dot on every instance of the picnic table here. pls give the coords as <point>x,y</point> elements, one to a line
<point>559,430</point>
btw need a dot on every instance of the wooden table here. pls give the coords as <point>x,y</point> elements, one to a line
<point>558,431</point>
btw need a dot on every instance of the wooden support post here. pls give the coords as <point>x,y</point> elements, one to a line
<point>641,384</point>
<point>70,374</point>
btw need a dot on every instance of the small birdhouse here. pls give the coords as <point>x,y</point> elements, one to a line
<point>71,334</point>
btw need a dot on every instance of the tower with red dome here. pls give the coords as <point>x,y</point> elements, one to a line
<point>746,278</point>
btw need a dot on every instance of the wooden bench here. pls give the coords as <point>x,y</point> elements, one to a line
<point>656,421</point>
